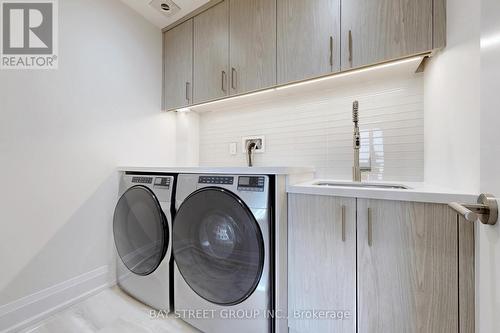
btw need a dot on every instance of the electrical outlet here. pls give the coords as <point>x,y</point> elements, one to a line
<point>260,141</point>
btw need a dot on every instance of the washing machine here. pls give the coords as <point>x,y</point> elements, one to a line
<point>223,250</point>
<point>142,226</point>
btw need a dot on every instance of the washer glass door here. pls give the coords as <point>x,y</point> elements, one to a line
<point>218,246</point>
<point>140,229</point>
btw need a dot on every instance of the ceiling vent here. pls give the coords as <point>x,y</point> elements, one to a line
<point>166,7</point>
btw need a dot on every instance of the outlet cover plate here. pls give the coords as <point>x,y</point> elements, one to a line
<point>260,150</point>
<point>233,148</point>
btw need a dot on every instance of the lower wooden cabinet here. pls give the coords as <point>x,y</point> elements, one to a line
<point>321,263</point>
<point>401,266</point>
<point>407,267</point>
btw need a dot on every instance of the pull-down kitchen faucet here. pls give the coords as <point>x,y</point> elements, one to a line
<point>356,170</point>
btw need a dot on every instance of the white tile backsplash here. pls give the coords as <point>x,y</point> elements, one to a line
<point>315,129</point>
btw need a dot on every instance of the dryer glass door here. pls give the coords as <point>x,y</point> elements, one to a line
<point>218,246</point>
<point>141,230</point>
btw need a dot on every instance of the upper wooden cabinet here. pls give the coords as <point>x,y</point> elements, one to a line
<point>178,65</point>
<point>245,45</point>
<point>211,53</point>
<point>252,45</point>
<point>378,30</point>
<point>308,38</point>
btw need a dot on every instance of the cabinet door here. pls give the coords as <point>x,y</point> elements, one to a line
<point>252,45</point>
<point>179,66</point>
<point>321,262</point>
<point>377,30</point>
<point>211,53</point>
<point>308,38</point>
<point>407,267</point>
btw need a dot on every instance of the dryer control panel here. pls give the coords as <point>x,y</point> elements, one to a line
<point>251,183</point>
<point>253,189</point>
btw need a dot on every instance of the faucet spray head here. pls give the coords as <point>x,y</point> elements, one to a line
<point>355,108</point>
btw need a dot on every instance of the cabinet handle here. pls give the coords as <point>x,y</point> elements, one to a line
<point>331,51</point>
<point>223,87</point>
<point>233,78</point>
<point>343,223</point>
<point>187,91</point>
<point>350,47</point>
<point>370,227</point>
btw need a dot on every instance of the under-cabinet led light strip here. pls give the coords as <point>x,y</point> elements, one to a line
<point>334,76</point>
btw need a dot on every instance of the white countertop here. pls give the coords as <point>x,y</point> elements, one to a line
<point>221,170</point>
<point>417,192</point>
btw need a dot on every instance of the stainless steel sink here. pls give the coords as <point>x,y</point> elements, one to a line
<point>362,185</point>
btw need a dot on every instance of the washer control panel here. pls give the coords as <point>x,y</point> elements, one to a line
<point>216,180</point>
<point>158,181</point>
<point>251,183</point>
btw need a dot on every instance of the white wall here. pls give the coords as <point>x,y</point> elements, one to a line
<point>63,133</point>
<point>187,140</point>
<point>488,238</point>
<point>452,87</point>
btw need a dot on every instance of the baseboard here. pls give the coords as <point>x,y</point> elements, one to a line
<point>31,309</point>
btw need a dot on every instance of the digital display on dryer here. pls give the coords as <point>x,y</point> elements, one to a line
<point>251,183</point>
<point>244,181</point>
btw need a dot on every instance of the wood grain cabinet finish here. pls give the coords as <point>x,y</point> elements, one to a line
<point>178,64</point>
<point>466,274</point>
<point>245,45</point>
<point>402,266</point>
<point>211,53</point>
<point>379,30</point>
<point>252,45</point>
<point>321,261</point>
<point>439,24</point>
<point>407,267</point>
<point>308,39</point>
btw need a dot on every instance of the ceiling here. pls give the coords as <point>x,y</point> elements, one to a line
<point>156,17</point>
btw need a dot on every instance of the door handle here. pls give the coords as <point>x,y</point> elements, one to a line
<point>370,228</point>
<point>343,223</point>
<point>187,91</point>
<point>486,209</point>
<point>233,78</point>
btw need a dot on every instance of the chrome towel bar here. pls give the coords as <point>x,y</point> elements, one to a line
<point>486,209</point>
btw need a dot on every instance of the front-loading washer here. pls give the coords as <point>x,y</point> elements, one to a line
<point>222,246</point>
<point>142,226</point>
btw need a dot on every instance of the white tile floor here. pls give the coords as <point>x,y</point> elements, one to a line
<point>110,311</point>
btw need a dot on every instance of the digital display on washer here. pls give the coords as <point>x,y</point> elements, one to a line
<point>251,183</point>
